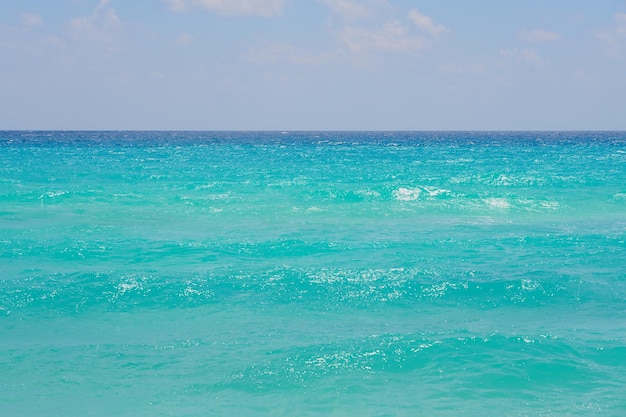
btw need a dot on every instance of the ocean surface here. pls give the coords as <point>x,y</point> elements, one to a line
<point>312,274</point>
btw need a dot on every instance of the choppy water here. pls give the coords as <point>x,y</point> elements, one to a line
<point>312,274</point>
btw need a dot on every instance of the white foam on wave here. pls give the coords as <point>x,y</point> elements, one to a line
<point>412,194</point>
<point>550,205</point>
<point>497,203</point>
<point>205,186</point>
<point>407,194</point>
<point>434,191</point>
<point>440,289</point>
<point>218,196</point>
<point>368,193</point>
<point>537,206</point>
<point>52,194</point>
<point>503,180</point>
<point>130,284</point>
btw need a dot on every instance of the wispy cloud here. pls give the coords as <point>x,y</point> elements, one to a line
<point>522,55</point>
<point>352,10</point>
<point>102,26</point>
<point>463,69</point>
<point>537,35</point>
<point>391,37</point>
<point>103,16</point>
<point>184,39</point>
<point>365,28</point>
<point>426,24</point>
<point>276,52</point>
<point>615,37</point>
<point>230,7</point>
<point>31,19</point>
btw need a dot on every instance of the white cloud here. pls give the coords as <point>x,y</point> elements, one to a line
<point>271,52</point>
<point>102,26</point>
<point>231,7</point>
<point>103,16</point>
<point>522,55</point>
<point>177,5</point>
<point>426,24</point>
<point>463,69</point>
<point>392,37</point>
<point>353,10</point>
<point>347,9</point>
<point>31,19</point>
<point>184,39</point>
<point>284,52</point>
<point>615,37</point>
<point>52,41</point>
<point>538,35</point>
<point>581,76</point>
<point>379,29</point>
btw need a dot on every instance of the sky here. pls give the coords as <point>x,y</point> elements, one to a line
<point>312,65</point>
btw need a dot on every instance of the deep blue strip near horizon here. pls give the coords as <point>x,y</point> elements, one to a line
<point>312,273</point>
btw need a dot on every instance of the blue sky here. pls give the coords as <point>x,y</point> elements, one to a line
<point>313,64</point>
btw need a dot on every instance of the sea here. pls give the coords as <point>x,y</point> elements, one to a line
<point>312,274</point>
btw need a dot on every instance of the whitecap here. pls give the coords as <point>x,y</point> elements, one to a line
<point>497,202</point>
<point>407,194</point>
<point>434,191</point>
<point>52,194</point>
<point>314,209</point>
<point>550,205</point>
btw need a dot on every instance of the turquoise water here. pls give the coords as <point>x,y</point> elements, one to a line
<point>312,274</point>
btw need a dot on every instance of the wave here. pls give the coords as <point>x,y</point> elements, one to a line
<point>427,371</point>
<point>319,289</point>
